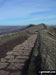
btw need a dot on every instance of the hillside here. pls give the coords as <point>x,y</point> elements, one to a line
<point>29,51</point>
<point>44,53</point>
<point>35,28</point>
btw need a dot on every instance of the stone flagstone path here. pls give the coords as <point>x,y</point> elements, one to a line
<point>15,60</point>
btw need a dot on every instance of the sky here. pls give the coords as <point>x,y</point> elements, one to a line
<point>24,12</point>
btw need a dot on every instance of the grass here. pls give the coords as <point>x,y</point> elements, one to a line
<point>35,28</point>
<point>8,37</point>
<point>48,50</point>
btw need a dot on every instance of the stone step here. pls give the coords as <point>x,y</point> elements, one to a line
<point>3,60</point>
<point>9,52</point>
<point>24,50</point>
<point>3,72</point>
<point>15,66</point>
<point>3,65</point>
<point>16,54</point>
<point>22,57</point>
<point>9,57</point>
<point>19,47</point>
<point>16,60</point>
<point>17,73</point>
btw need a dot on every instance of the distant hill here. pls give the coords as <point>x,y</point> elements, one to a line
<point>9,29</point>
<point>34,28</point>
<point>30,25</point>
<point>30,28</point>
<point>54,26</point>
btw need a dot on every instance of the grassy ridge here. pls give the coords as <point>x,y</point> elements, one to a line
<point>8,37</point>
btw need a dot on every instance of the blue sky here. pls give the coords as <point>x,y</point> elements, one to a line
<point>23,12</point>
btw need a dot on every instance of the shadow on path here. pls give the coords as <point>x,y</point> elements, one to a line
<point>26,66</point>
<point>33,65</point>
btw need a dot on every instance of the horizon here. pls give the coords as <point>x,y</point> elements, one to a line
<point>22,12</point>
<point>25,25</point>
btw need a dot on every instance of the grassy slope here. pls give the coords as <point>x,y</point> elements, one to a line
<point>48,38</point>
<point>47,48</point>
<point>11,36</point>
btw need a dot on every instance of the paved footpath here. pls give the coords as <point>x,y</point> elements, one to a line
<point>14,61</point>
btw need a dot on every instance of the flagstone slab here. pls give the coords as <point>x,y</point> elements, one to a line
<point>15,66</point>
<point>17,73</point>
<point>16,60</point>
<point>22,57</point>
<point>3,65</point>
<point>3,60</point>
<point>3,72</point>
<point>9,57</point>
